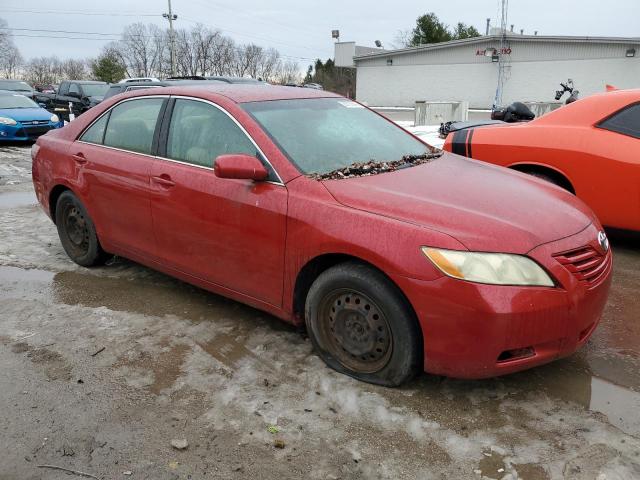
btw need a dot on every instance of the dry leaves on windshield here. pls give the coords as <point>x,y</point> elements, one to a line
<point>362,169</point>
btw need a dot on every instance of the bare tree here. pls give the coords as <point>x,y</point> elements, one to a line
<point>44,70</point>
<point>75,69</point>
<point>268,65</point>
<point>288,72</point>
<point>10,58</point>
<point>140,49</point>
<point>222,56</point>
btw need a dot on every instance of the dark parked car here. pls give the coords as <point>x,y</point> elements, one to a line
<point>81,94</point>
<point>249,81</point>
<point>123,87</point>
<point>45,88</point>
<point>117,88</point>
<point>17,86</point>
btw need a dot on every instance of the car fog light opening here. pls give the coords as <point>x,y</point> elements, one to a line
<point>489,268</point>
<point>516,354</point>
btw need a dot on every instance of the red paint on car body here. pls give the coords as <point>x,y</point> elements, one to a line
<point>251,240</point>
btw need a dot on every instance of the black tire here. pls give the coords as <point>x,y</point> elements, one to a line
<point>77,232</point>
<point>361,325</point>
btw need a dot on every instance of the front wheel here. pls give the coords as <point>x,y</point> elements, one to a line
<point>361,325</point>
<point>77,232</point>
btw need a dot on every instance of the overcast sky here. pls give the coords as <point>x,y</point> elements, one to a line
<point>302,29</point>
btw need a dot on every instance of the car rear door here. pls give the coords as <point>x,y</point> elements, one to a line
<point>115,155</point>
<point>226,231</point>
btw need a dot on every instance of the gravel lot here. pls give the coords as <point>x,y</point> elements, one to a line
<point>103,368</point>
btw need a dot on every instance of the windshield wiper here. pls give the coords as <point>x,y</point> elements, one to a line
<point>373,167</point>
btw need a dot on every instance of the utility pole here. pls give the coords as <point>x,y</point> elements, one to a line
<point>172,42</point>
<point>497,103</point>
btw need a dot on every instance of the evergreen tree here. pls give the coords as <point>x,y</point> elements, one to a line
<point>108,67</point>
<point>429,29</point>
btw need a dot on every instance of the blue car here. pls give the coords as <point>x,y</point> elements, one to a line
<point>22,119</point>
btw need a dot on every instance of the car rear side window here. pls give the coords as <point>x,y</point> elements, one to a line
<point>626,121</point>
<point>132,123</point>
<point>95,133</point>
<point>199,132</point>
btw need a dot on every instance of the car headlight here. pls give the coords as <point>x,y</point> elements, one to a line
<point>7,121</point>
<point>54,119</point>
<point>491,268</point>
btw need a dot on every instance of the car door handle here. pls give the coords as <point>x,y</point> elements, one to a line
<point>164,180</point>
<point>79,158</point>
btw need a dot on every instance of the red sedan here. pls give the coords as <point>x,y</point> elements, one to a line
<point>312,207</point>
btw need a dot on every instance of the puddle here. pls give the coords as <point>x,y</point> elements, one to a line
<point>620,405</point>
<point>17,199</point>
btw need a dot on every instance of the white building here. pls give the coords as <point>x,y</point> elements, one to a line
<point>468,69</point>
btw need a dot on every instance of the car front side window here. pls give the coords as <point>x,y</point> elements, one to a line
<point>132,124</point>
<point>74,89</point>
<point>200,132</point>
<point>626,121</point>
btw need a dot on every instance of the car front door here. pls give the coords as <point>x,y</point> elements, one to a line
<point>228,232</point>
<point>115,156</point>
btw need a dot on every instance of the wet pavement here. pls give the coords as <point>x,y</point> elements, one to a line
<point>103,367</point>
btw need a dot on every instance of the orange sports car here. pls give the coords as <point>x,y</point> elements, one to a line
<point>590,147</point>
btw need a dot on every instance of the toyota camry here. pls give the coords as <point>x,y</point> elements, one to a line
<point>396,256</point>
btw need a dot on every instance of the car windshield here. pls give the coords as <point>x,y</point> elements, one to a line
<point>15,86</point>
<point>17,101</point>
<point>322,135</point>
<point>94,89</point>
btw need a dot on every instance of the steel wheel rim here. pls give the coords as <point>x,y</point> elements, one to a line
<point>76,229</point>
<point>355,330</point>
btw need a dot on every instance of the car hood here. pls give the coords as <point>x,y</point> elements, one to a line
<point>25,114</point>
<point>486,208</point>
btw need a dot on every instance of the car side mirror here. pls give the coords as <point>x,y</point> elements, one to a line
<point>239,166</point>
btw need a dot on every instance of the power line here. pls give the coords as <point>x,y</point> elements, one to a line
<point>58,31</point>
<point>105,14</point>
<point>66,38</point>
<point>263,39</point>
<point>115,37</point>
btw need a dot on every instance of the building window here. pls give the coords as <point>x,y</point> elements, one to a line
<point>389,61</point>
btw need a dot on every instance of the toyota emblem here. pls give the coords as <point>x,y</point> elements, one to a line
<point>603,241</point>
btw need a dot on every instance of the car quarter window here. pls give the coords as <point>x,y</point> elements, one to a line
<point>95,133</point>
<point>626,121</point>
<point>200,132</point>
<point>132,123</point>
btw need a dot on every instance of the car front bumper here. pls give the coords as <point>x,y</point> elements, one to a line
<point>21,132</point>
<point>474,330</point>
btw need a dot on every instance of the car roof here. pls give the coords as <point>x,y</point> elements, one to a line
<point>85,82</point>
<point>235,79</point>
<point>9,92</point>
<point>140,84</point>
<point>13,80</point>
<point>241,93</point>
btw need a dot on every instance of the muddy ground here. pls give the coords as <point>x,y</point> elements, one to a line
<point>103,368</point>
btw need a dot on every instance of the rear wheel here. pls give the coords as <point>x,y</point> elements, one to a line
<point>361,325</point>
<point>77,232</point>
